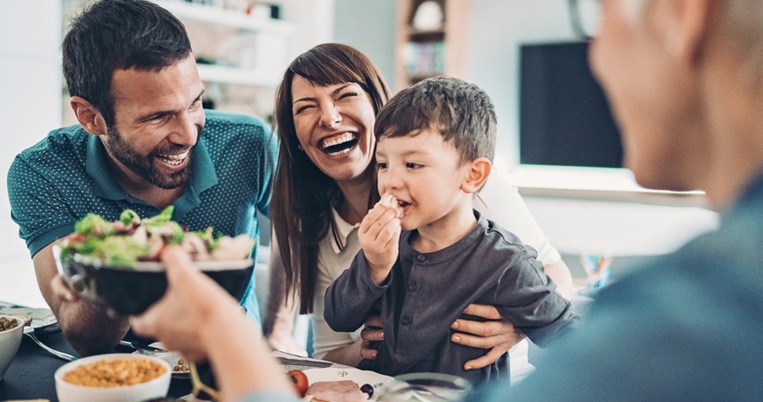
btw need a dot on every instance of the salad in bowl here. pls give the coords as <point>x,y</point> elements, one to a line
<point>115,265</point>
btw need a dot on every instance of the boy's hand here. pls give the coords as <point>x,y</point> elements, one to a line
<point>379,234</point>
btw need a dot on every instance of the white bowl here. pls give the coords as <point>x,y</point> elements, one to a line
<point>9,343</point>
<point>156,388</point>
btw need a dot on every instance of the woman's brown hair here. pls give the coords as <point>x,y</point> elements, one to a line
<point>300,211</point>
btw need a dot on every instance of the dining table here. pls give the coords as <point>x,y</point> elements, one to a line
<point>30,375</point>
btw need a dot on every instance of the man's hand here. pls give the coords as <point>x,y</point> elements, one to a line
<point>379,234</point>
<point>497,334</point>
<point>62,291</point>
<point>88,330</point>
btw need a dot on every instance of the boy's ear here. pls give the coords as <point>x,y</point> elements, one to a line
<point>476,176</point>
<point>88,116</point>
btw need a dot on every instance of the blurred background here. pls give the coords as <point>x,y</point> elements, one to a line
<point>557,141</point>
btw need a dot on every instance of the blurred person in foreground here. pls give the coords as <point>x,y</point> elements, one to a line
<point>685,79</point>
<point>143,142</point>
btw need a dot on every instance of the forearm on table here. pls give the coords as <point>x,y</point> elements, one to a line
<point>276,304</point>
<point>282,323</point>
<point>89,331</point>
<point>348,355</point>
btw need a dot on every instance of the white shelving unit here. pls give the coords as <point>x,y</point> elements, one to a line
<point>220,16</point>
<point>233,75</point>
<point>238,22</point>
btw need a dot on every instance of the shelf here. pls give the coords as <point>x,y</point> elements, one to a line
<point>423,53</point>
<point>418,35</point>
<point>223,17</point>
<point>233,75</point>
<point>596,183</point>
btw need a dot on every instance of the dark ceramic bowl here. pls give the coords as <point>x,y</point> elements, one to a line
<point>131,290</point>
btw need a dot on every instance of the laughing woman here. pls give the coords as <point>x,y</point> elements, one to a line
<point>326,107</point>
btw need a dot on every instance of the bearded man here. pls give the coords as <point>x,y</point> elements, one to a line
<point>143,142</point>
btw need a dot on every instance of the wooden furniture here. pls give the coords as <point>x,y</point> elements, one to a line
<point>424,53</point>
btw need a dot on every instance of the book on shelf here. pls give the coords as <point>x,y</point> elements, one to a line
<point>425,58</point>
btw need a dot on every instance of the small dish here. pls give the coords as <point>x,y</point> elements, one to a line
<point>41,319</point>
<point>181,369</point>
<point>10,340</point>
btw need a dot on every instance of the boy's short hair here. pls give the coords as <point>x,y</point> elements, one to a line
<point>115,35</point>
<point>460,111</point>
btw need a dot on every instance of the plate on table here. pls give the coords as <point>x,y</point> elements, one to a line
<point>180,367</point>
<point>41,319</point>
<point>360,377</point>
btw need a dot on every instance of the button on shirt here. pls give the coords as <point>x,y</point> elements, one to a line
<point>425,293</point>
<point>66,176</point>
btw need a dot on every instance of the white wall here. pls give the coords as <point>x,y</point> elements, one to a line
<point>313,21</point>
<point>369,26</point>
<point>30,106</point>
<point>496,29</point>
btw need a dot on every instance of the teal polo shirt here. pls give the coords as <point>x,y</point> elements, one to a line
<point>65,176</point>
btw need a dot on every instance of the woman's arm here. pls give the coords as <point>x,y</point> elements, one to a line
<point>348,355</point>
<point>496,334</point>
<point>281,313</point>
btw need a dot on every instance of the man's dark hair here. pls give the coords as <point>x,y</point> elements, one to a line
<point>460,111</point>
<point>118,35</point>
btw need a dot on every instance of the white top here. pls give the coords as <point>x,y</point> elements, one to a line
<point>341,245</point>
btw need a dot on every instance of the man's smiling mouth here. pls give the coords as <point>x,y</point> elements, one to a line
<point>175,159</point>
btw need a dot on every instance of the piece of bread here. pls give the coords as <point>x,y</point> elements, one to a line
<point>388,200</point>
<point>335,391</point>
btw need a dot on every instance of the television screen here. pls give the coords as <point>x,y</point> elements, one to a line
<point>564,118</point>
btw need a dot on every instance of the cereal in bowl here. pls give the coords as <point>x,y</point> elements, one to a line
<point>115,373</point>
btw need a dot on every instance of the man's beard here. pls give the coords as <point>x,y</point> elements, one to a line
<point>143,166</point>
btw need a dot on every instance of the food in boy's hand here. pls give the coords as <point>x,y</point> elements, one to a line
<point>299,380</point>
<point>388,200</point>
<point>336,391</point>
<point>132,239</point>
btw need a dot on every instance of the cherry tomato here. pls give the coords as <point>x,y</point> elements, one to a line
<point>299,380</point>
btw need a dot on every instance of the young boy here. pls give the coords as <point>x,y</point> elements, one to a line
<point>426,253</point>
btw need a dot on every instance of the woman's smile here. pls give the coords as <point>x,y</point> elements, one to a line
<point>339,144</point>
